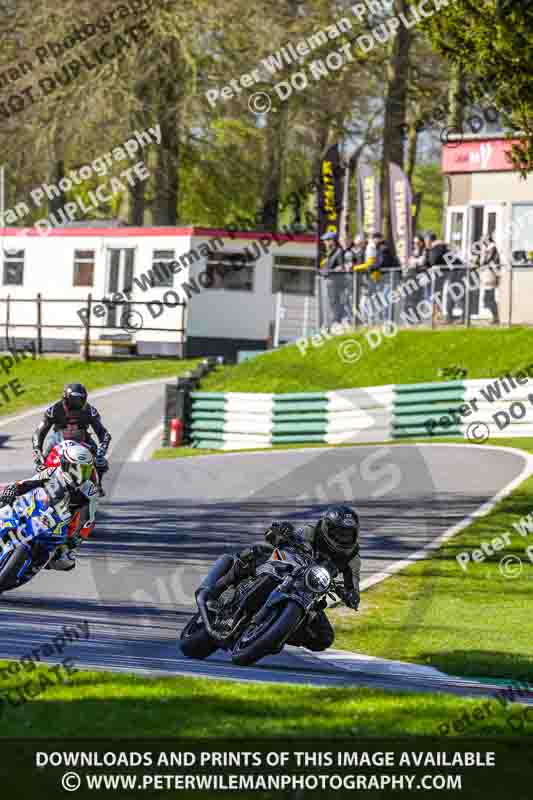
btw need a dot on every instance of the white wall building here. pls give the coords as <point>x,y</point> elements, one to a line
<point>485,195</point>
<point>231,284</point>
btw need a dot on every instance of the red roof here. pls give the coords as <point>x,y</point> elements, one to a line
<point>307,238</point>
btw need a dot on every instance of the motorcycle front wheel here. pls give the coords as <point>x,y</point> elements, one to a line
<point>195,640</point>
<point>263,639</point>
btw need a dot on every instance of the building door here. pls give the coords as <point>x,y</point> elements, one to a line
<point>120,267</point>
<point>492,225</point>
<point>485,221</point>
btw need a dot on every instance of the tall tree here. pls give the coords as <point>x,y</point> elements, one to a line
<point>491,43</point>
<point>395,108</point>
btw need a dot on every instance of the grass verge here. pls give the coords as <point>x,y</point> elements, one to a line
<point>97,703</point>
<point>475,622</point>
<point>43,379</point>
<point>413,356</point>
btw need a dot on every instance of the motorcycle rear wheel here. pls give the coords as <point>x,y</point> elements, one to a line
<point>195,640</point>
<point>264,639</point>
<point>10,569</point>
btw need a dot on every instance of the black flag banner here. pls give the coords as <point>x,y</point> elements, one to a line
<point>329,201</point>
<point>401,205</point>
<point>368,205</point>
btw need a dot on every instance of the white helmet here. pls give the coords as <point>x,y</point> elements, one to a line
<point>76,463</point>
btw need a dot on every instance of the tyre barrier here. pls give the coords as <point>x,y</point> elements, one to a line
<point>239,420</point>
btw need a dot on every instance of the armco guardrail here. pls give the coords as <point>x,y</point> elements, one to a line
<point>238,420</point>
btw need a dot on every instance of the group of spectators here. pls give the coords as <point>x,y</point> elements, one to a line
<point>380,273</point>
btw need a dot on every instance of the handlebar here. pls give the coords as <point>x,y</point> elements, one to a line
<point>339,590</point>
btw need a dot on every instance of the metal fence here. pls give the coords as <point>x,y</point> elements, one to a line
<point>442,296</point>
<point>116,325</point>
<point>436,298</point>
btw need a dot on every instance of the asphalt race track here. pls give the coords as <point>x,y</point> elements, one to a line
<point>163,522</point>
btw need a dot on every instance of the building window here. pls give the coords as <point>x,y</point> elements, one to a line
<point>457,229</point>
<point>14,268</point>
<point>83,268</point>
<point>522,238</point>
<point>492,223</point>
<point>232,271</point>
<point>294,275</point>
<point>163,276</point>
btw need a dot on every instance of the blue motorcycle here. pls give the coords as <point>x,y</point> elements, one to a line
<point>31,530</point>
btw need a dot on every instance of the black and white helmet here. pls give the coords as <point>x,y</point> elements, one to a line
<point>74,397</point>
<point>77,463</point>
<point>338,531</point>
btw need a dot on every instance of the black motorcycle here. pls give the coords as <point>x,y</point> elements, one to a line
<point>258,617</point>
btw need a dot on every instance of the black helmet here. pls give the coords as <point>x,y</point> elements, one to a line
<point>338,531</point>
<point>74,396</point>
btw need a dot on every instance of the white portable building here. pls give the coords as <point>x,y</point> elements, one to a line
<point>163,291</point>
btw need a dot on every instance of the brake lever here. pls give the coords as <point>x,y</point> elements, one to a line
<point>340,591</point>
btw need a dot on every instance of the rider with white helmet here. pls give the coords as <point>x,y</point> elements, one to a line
<point>70,488</point>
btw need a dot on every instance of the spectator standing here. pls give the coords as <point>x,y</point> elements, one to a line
<point>339,285</point>
<point>416,267</point>
<point>387,267</point>
<point>489,268</point>
<point>437,250</point>
<point>354,257</point>
<point>373,278</point>
<point>356,251</point>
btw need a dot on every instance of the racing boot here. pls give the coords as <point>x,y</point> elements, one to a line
<point>64,560</point>
<point>100,473</point>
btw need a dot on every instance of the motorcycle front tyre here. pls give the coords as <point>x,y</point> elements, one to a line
<point>266,638</point>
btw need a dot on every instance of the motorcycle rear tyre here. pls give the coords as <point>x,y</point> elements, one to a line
<point>10,569</point>
<point>195,641</point>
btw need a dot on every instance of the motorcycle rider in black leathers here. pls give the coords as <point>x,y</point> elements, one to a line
<point>70,489</point>
<point>335,537</point>
<point>72,417</point>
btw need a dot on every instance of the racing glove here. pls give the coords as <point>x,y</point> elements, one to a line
<point>38,460</point>
<point>279,532</point>
<point>101,462</point>
<point>9,495</point>
<point>351,599</point>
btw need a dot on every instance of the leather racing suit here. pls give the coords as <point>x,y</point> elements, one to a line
<point>229,570</point>
<point>70,503</point>
<point>72,425</point>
